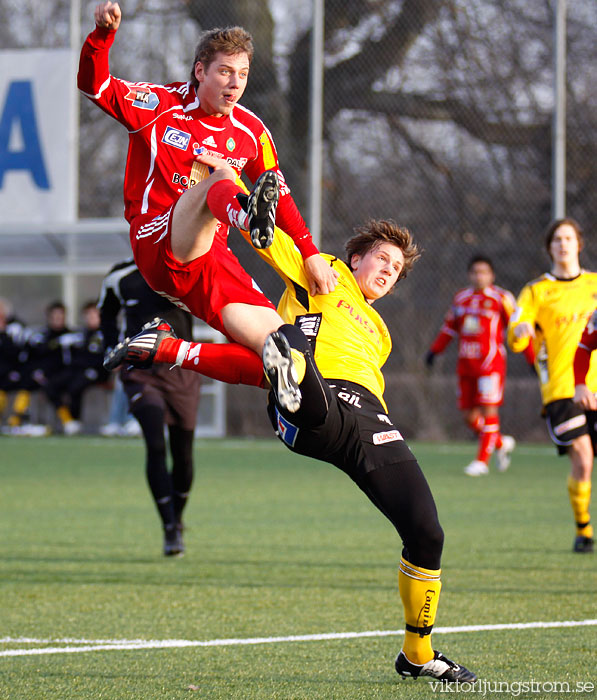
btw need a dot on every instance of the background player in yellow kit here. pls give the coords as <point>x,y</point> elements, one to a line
<point>553,310</point>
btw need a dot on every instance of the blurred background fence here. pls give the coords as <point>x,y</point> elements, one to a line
<point>437,114</point>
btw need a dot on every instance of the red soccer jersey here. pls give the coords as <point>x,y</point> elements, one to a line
<point>167,126</point>
<point>589,335</point>
<point>479,319</point>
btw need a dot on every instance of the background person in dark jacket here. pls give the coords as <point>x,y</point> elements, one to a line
<point>158,396</point>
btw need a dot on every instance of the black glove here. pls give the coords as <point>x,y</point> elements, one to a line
<point>429,358</point>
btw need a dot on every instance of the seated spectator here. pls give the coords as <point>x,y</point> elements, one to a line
<point>82,355</point>
<point>12,332</point>
<point>40,357</point>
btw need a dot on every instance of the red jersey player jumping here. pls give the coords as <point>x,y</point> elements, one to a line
<point>188,142</point>
<point>479,317</point>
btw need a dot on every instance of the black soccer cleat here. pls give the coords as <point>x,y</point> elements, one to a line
<point>140,350</point>
<point>261,208</point>
<point>583,545</point>
<point>280,371</point>
<point>173,543</point>
<point>440,668</point>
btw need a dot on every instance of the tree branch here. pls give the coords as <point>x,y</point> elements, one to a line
<point>447,110</point>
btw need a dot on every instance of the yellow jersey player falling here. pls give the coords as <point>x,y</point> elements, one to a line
<point>338,344</point>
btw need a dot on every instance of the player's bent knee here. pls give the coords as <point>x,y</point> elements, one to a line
<point>425,545</point>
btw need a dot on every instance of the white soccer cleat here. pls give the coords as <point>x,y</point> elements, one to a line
<point>131,428</point>
<point>476,468</point>
<point>72,427</point>
<point>440,668</point>
<point>109,430</point>
<point>503,455</point>
<point>280,371</point>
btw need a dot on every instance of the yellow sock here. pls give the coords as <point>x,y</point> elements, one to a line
<point>3,401</point>
<point>300,364</point>
<point>580,497</point>
<point>19,407</point>
<point>419,591</point>
<point>64,414</point>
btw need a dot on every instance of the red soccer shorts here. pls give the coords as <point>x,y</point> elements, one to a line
<point>203,286</point>
<point>485,390</point>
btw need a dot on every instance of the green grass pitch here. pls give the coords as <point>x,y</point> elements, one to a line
<point>277,545</point>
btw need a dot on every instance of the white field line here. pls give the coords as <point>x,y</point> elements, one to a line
<point>84,645</point>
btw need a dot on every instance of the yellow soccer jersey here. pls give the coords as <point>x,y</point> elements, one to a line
<point>349,338</point>
<point>558,310</point>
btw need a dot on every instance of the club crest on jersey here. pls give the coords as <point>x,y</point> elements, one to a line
<point>142,98</point>
<point>176,137</point>
<point>231,144</point>
<point>471,324</point>
<point>286,431</point>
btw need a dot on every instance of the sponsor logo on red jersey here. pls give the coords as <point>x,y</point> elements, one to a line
<point>143,98</point>
<point>183,181</point>
<point>176,137</point>
<point>237,163</point>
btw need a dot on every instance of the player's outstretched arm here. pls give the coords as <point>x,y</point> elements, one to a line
<point>583,396</point>
<point>108,15</point>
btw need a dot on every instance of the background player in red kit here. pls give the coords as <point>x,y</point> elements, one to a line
<point>188,141</point>
<point>478,317</point>
<point>584,396</point>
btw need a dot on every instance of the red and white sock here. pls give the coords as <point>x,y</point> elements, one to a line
<point>489,438</point>
<point>223,204</point>
<point>227,362</point>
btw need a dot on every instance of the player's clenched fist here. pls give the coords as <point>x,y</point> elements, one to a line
<point>108,15</point>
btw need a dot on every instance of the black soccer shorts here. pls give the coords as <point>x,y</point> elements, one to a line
<point>175,391</point>
<point>567,421</point>
<point>357,435</point>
